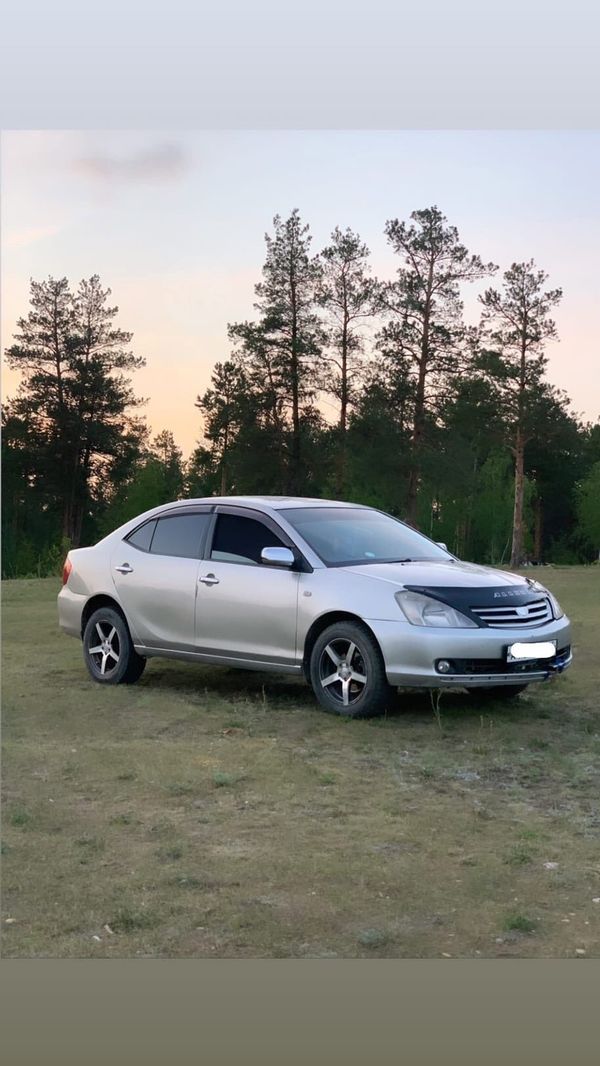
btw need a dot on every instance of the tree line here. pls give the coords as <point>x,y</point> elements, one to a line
<point>342,385</point>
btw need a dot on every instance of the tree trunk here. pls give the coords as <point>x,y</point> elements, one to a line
<point>414,476</point>
<point>343,427</point>
<point>516,557</point>
<point>224,460</point>
<point>67,525</point>
<point>77,526</point>
<point>538,529</point>
<point>294,475</point>
<point>73,519</point>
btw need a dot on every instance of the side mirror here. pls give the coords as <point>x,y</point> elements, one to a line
<point>441,544</point>
<point>277,557</point>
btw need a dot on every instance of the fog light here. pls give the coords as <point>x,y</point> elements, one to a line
<point>443,666</point>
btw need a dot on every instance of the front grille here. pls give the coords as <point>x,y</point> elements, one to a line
<point>535,613</point>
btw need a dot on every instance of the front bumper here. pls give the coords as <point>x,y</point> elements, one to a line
<point>478,656</point>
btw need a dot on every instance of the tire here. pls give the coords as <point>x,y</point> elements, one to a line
<point>497,692</point>
<point>360,688</point>
<point>108,650</point>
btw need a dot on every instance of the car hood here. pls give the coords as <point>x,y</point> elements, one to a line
<point>442,574</point>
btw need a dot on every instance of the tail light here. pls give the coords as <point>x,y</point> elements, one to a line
<point>68,566</point>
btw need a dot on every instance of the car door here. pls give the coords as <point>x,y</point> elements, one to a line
<point>246,609</point>
<point>155,571</point>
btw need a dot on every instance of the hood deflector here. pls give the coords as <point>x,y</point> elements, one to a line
<point>464,599</point>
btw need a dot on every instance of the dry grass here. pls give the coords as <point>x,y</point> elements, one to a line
<point>220,813</point>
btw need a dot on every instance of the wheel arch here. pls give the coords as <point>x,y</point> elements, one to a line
<point>323,622</point>
<point>101,599</point>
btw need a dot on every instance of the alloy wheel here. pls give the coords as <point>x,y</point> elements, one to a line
<point>342,671</point>
<point>105,655</point>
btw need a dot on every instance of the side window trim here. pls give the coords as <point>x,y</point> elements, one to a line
<point>210,536</point>
<point>128,540</point>
<point>173,513</point>
<point>209,533</point>
<point>182,514</point>
<point>153,535</point>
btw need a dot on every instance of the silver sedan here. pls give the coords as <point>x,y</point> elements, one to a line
<point>355,600</point>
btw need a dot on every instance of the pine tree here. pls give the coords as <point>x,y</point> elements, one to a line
<point>348,293</point>
<point>223,408</point>
<point>516,326</point>
<point>170,457</point>
<point>279,354</point>
<point>426,328</point>
<point>588,508</point>
<point>74,395</point>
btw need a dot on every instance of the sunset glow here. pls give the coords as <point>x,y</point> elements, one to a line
<point>174,224</point>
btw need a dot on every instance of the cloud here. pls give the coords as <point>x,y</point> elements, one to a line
<point>160,163</point>
<point>30,235</point>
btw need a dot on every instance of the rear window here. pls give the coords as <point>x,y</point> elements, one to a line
<point>180,535</point>
<point>142,537</point>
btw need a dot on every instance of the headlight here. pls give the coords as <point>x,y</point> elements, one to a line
<point>557,610</point>
<point>423,610</point>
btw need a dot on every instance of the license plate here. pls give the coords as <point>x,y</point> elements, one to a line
<point>542,650</point>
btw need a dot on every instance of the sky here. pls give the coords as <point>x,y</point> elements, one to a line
<point>174,224</point>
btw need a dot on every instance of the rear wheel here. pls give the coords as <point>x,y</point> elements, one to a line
<point>347,672</point>
<point>497,692</point>
<point>108,650</point>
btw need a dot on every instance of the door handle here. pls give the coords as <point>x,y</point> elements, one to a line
<point>209,579</point>
<point>124,568</point>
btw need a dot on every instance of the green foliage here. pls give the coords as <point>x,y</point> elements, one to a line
<point>349,296</point>
<point>128,920</point>
<point>493,508</point>
<point>222,779</point>
<point>146,489</point>
<point>343,386</point>
<point>69,433</point>
<point>566,551</point>
<point>20,816</point>
<point>519,923</point>
<point>278,355</point>
<point>425,340</point>
<point>515,327</point>
<point>588,507</point>
<point>157,479</point>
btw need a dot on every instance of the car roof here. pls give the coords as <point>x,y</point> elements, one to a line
<point>268,505</point>
<point>277,503</point>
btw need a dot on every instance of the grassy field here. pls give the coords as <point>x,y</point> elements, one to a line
<point>220,813</point>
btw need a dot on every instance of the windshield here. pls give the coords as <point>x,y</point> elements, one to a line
<point>346,536</point>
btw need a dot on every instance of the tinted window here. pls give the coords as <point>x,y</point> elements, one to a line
<point>241,540</point>
<point>142,537</point>
<point>180,535</point>
<point>342,536</point>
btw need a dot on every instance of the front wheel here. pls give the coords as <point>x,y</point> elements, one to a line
<point>108,649</point>
<point>347,672</point>
<point>497,692</point>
